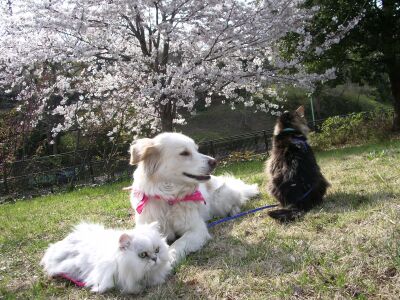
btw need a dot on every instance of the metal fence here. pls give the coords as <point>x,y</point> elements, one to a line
<point>38,175</point>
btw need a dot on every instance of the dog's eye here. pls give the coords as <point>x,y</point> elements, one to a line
<point>142,254</point>
<point>185,153</point>
<point>157,250</point>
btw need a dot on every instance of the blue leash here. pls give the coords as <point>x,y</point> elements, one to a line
<point>212,224</point>
<point>306,194</point>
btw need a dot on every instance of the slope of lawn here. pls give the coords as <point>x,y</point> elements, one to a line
<point>347,248</point>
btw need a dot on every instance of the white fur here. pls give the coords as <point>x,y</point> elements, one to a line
<point>107,258</point>
<point>160,171</point>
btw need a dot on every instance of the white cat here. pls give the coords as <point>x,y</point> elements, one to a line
<point>128,260</point>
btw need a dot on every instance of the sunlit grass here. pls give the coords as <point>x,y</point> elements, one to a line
<point>347,248</point>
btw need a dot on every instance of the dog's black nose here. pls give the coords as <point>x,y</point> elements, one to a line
<point>212,163</point>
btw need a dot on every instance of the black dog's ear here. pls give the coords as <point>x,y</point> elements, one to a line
<point>300,111</point>
<point>147,151</point>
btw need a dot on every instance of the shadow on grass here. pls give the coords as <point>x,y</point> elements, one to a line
<point>342,201</point>
<point>262,249</point>
<point>234,256</point>
<point>250,247</point>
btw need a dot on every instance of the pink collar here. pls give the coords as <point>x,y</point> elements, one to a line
<point>143,199</point>
<point>73,280</point>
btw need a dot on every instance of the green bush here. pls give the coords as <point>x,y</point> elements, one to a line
<point>334,101</point>
<point>352,129</point>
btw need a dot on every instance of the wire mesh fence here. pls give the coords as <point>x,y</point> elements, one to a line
<point>38,175</point>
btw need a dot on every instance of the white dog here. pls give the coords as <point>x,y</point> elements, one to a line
<point>173,186</point>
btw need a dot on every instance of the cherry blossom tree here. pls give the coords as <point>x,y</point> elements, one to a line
<point>140,64</point>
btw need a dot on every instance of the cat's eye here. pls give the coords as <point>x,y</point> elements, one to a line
<point>185,153</point>
<point>142,254</point>
<point>157,250</point>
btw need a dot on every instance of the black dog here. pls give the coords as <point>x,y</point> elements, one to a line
<point>295,177</point>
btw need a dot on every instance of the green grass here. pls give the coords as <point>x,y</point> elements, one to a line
<point>347,248</point>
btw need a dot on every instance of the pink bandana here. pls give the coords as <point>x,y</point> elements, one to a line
<point>196,196</point>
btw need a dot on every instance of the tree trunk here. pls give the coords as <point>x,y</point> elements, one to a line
<point>10,10</point>
<point>389,48</point>
<point>167,116</point>
<point>394,77</point>
<point>166,124</point>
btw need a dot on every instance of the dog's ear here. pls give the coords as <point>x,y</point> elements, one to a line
<point>147,151</point>
<point>140,149</point>
<point>300,111</point>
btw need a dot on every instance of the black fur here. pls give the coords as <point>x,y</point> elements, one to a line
<point>295,177</point>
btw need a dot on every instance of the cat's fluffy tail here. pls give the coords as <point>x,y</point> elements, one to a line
<point>62,256</point>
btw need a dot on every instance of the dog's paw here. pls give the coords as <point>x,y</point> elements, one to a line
<point>98,289</point>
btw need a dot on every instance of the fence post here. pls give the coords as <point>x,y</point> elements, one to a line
<point>6,190</point>
<point>91,167</point>
<point>265,140</point>
<point>256,142</point>
<point>55,146</point>
<point>4,170</point>
<point>23,145</point>
<point>312,111</point>
<point>78,137</point>
<point>212,150</point>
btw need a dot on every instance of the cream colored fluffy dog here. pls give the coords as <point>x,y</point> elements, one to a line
<point>173,186</point>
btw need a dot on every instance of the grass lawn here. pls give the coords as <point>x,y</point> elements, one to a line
<point>347,248</point>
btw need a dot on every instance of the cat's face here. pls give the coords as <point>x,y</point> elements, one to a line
<point>295,120</point>
<point>145,248</point>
